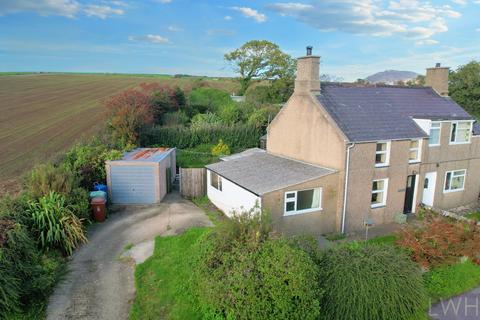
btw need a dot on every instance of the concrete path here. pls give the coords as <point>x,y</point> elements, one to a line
<point>100,283</point>
<point>462,307</point>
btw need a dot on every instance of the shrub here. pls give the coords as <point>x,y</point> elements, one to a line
<point>172,119</point>
<point>208,99</point>
<point>229,113</point>
<point>204,120</point>
<point>242,272</point>
<point>54,223</point>
<point>79,202</point>
<point>440,241</point>
<point>46,178</point>
<point>220,149</point>
<point>260,117</point>
<point>370,282</point>
<point>238,136</point>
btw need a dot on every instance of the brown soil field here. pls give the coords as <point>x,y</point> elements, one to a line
<point>43,114</point>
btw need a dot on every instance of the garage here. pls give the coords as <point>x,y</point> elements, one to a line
<point>142,176</point>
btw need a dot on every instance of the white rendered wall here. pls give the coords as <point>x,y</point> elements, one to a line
<point>232,197</point>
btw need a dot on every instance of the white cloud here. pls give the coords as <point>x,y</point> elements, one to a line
<point>152,38</point>
<point>101,12</point>
<point>174,29</point>
<point>251,13</point>
<point>164,1</point>
<point>409,18</point>
<point>64,8</point>
<point>426,42</point>
<point>460,2</point>
<point>227,18</point>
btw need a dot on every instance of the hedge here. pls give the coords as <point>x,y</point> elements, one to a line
<point>237,136</point>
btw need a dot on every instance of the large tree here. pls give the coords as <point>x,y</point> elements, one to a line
<point>260,59</point>
<point>464,87</point>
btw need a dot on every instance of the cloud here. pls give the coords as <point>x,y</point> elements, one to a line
<point>164,1</point>
<point>426,42</point>
<point>101,12</point>
<point>152,38</point>
<point>174,29</point>
<point>251,13</point>
<point>63,8</point>
<point>460,2</point>
<point>227,18</point>
<point>409,18</point>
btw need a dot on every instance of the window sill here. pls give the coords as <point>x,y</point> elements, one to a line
<point>376,206</point>
<point>295,213</point>
<point>455,143</point>
<point>381,165</point>
<point>451,191</point>
<point>434,145</point>
<point>414,161</point>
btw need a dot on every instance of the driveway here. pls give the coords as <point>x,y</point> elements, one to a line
<point>100,284</point>
<point>462,307</point>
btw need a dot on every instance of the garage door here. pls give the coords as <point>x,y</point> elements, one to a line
<point>132,184</point>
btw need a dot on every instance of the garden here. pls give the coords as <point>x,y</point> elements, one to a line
<point>242,269</point>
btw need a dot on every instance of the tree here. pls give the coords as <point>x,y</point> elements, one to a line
<point>260,59</point>
<point>164,98</point>
<point>464,87</point>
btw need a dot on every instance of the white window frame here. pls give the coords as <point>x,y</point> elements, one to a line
<point>451,177</point>
<point>456,132</point>
<point>386,152</point>
<point>418,149</point>
<point>385,192</point>
<point>439,128</point>
<point>294,199</point>
<point>219,181</point>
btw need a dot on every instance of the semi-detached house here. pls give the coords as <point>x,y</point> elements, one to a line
<point>338,154</point>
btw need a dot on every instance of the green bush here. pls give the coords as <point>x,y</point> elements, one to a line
<point>220,149</point>
<point>205,120</point>
<point>172,119</point>
<point>370,282</point>
<point>79,202</point>
<point>208,99</point>
<point>46,178</point>
<point>229,113</point>
<point>238,136</point>
<point>55,224</point>
<point>241,272</point>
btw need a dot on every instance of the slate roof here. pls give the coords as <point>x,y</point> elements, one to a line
<point>262,172</point>
<point>373,113</point>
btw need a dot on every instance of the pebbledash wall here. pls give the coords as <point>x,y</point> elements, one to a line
<point>232,198</point>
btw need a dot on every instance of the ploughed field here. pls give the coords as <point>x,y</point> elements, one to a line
<point>42,114</point>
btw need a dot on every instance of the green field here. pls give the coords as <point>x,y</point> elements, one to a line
<point>44,113</point>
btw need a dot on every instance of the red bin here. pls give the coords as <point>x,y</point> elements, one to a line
<point>99,209</point>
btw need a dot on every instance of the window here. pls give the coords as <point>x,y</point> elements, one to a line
<point>382,154</point>
<point>434,139</point>
<point>302,201</point>
<point>455,180</point>
<point>414,155</point>
<point>379,193</point>
<point>215,181</point>
<point>461,132</point>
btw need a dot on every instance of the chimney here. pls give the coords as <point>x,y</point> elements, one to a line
<point>437,78</point>
<point>308,73</point>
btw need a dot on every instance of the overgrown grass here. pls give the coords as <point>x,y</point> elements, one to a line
<point>335,236</point>
<point>162,280</point>
<point>474,216</point>
<point>212,212</point>
<point>386,240</point>
<point>448,281</point>
<point>190,158</point>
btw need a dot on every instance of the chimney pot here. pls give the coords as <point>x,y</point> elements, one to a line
<point>437,78</point>
<point>438,65</point>
<point>309,50</point>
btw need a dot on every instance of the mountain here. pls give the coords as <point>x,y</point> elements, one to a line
<point>391,76</point>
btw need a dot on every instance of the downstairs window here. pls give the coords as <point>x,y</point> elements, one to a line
<point>302,201</point>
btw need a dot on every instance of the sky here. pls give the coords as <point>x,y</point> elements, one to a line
<point>355,38</point>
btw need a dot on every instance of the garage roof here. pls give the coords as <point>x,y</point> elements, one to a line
<point>262,172</point>
<point>146,155</point>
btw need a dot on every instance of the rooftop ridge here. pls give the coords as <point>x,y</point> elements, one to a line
<point>370,85</point>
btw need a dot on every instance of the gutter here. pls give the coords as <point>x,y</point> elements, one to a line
<point>347,167</point>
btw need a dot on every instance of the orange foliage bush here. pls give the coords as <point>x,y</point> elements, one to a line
<point>440,241</point>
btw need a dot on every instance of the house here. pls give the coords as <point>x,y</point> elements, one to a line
<point>383,150</point>
<point>142,176</point>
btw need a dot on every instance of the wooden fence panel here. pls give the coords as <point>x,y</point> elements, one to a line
<point>193,182</point>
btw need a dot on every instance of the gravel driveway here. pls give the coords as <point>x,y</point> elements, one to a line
<point>100,284</point>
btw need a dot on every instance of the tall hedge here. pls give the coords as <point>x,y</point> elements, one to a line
<point>235,136</point>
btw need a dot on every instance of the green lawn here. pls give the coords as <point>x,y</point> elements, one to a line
<point>162,280</point>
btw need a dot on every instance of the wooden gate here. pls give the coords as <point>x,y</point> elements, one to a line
<point>193,182</point>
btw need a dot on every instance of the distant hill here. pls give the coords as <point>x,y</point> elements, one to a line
<point>391,76</point>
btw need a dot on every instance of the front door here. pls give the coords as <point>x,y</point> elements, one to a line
<point>429,188</point>
<point>409,193</point>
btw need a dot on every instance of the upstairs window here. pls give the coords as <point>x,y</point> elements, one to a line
<point>455,180</point>
<point>302,201</point>
<point>215,181</point>
<point>414,154</point>
<point>461,132</point>
<point>434,139</point>
<point>382,154</point>
<point>379,193</point>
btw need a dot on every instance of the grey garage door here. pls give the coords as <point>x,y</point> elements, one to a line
<point>132,184</point>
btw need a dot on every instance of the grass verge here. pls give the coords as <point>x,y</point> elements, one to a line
<point>211,211</point>
<point>162,280</point>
